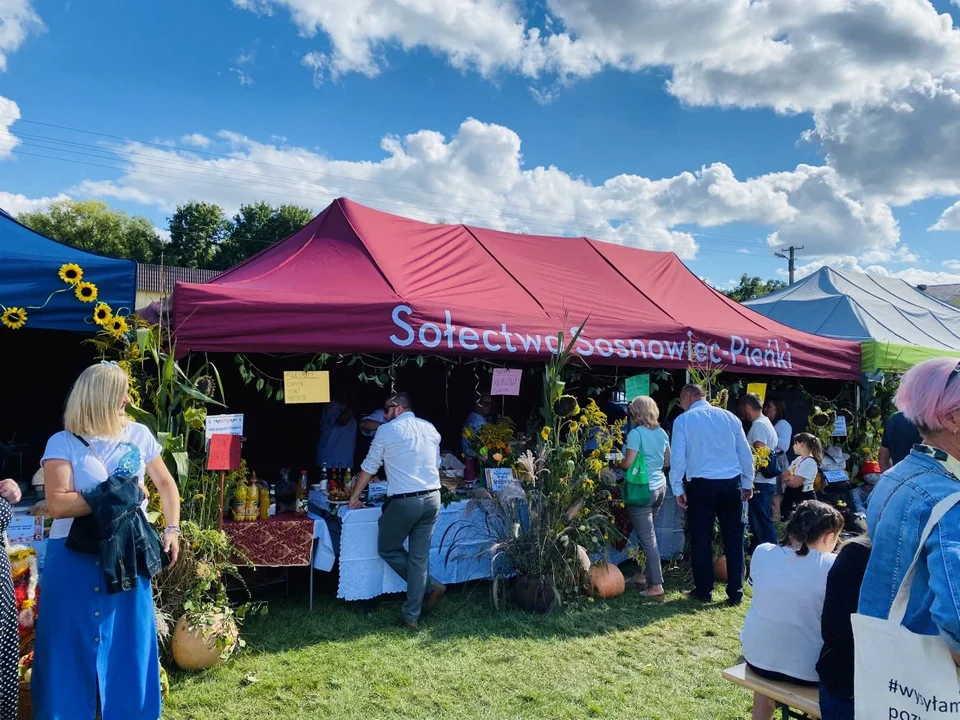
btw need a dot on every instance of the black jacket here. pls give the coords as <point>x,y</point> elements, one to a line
<point>835,667</point>
<point>117,530</point>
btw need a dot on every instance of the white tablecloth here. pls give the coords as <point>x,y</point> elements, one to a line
<point>363,575</point>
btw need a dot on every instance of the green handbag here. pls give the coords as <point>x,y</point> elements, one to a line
<point>636,485</point>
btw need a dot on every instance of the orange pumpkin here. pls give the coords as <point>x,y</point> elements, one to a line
<point>607,581</point>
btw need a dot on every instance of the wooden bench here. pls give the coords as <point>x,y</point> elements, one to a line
<point>793,701</point>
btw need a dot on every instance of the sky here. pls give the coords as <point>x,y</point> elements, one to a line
<point>722,130</point>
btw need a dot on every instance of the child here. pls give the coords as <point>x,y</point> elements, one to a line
<point>798,479</point>
<point>781,635</point>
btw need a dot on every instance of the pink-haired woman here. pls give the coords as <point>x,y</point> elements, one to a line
<point>901,503</point>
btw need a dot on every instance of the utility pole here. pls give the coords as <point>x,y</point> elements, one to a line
<point>791,258</point>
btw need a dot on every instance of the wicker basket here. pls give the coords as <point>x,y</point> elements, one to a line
<point>25,709</point>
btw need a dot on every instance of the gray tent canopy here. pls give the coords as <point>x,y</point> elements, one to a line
<point>898,324</point>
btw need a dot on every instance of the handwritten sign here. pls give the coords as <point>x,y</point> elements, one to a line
<point>224,453</point>
<point>300,387</point>
<point>25,529</point>
<point>758,389</point>
<point>839,427</point>
<point>505,382</point>
<point>224,425</point>
<point>637,386</point>
<point>498,478</point>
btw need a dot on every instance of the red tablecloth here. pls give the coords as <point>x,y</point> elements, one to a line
<point>280,541</point>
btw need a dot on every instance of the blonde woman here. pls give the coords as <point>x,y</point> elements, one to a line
<point>96,645</point>
<point>649,438</point>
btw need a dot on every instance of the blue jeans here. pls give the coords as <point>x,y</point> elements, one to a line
<point>833,707</point>
<point>761,514</point>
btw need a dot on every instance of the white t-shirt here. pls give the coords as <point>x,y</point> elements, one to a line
<point>762,430</point>
<point>782,630</point>
<point>807,469</point>
<point>784,435</point>
<point>88,471</point>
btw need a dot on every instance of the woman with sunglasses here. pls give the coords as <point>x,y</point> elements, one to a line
<point>96,645</point>
<point>901,503</point>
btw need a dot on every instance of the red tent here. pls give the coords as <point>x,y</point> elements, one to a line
<point>360,280</point>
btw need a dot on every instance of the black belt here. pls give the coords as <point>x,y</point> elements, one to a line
<point>420,493</point>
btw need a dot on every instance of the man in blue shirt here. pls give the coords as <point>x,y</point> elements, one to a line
<point>710,450</point>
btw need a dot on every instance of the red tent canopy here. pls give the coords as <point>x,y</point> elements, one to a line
<point>360,280</point>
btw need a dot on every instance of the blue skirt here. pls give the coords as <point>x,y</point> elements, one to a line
<point>89,641</point>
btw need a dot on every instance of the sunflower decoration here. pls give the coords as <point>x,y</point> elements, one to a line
<point>118,327</point>
<point>14,318</point>
<point>566,406</point>
<point>71,273</point>
<point>102,315</point>
<point>545,434</point>
<point>86,292</point>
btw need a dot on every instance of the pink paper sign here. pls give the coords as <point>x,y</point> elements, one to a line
<point>506,382</point>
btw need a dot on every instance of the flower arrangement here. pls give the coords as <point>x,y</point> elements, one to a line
<point>494,443</point>
<point>567,495</point>
<point>821,423</point>
<point>761,457</point>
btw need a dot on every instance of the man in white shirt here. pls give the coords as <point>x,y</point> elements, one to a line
<point>762,434</point>
<point>709,449</point>
<point>409,448</point>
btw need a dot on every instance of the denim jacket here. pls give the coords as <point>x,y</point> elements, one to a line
<point>117,530</point>
<point>898,510</point>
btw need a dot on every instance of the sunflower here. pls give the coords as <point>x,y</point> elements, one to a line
<point>86,292</point>
<point>574,426</point>
<point>14,318</point>
<point>118,327</point>
<point>545,434</point>
<point>102,314</point>
<point>71,273</point>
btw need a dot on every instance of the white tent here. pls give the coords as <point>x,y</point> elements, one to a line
<point>898,324</point>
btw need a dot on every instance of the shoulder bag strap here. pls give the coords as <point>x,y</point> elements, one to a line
<point>899,608</point>
<point>93,452</point>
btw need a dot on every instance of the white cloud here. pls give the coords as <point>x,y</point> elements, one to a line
<point>785,54</point>
<point>243,77</point>
<point>477,176</point>
<point>317,63</point>
<point>902,150</point>
<point>163,233</point>
<point>949,219</point>
<point>9,114</point>
<point>197,140</point>
<point>17,20</point>
<point>914,276</point>
<point>15,203</point>
<point>952,264</point>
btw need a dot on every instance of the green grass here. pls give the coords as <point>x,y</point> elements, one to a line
<point>626,658</point>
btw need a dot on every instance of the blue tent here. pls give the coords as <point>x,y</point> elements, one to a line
<point>29,267</point>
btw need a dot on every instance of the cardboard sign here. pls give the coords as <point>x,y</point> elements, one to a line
<point>498,478</point>
<point>839,427</point>
<point>505,382</point>
<point>224,425</point>
<point>758,389</point>
<point>310,386</point>
<point>637,386</point>
<point>25,529</point>
<point>224,453</point>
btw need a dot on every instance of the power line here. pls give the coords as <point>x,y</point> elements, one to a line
<point>791,259</point>
<point>707,237</point>
<point>283,191</point>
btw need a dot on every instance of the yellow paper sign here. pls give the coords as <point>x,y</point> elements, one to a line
<point>758,389</point>
<point>301,387</point>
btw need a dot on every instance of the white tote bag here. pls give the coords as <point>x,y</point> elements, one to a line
<point>899,675</point>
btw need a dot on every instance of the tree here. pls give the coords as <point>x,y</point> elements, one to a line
<point>196,231</point>
<point>92,225</point>
<point>753,287</point>
<point>257,227</point>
